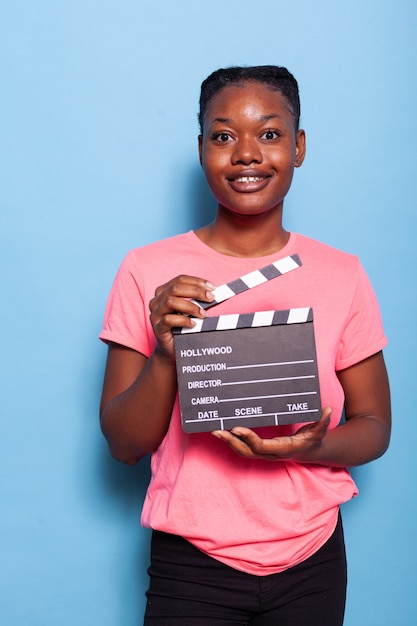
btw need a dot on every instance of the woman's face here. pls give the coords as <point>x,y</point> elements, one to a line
<point>249,148</point>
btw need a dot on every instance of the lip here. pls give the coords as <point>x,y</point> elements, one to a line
<point>248,181</point>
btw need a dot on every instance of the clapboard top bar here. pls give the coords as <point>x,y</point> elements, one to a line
<point>248,320</point>
<point>253,279</point>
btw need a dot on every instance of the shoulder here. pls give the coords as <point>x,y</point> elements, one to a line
<point>320,249</point>
<point>154,264</point>
<point>326,259</point>
<point>158,253</point>
<point>159,248</point>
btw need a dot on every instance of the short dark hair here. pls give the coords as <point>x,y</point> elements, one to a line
<point>275,77</point>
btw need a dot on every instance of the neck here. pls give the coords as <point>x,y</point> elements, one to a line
<point>245,235</point>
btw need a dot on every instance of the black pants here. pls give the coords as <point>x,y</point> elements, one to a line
<point>189,588</point>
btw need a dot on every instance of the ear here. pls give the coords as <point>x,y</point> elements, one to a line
<point>200,149</point>
<point>300,148</point>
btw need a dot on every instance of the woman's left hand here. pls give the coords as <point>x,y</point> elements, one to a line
<point>295,447</point>
<point>363,437</point>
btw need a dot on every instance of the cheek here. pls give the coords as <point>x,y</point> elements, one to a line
<point>213,168</point>
<point>215,186</point>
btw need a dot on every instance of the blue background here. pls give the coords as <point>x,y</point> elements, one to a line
<point>98,154</point>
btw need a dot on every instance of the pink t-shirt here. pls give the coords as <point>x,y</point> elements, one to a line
<point>257,516</point>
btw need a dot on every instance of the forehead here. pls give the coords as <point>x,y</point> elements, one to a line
<point>250,100</point>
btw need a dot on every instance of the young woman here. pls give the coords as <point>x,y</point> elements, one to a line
<point>246,523</point>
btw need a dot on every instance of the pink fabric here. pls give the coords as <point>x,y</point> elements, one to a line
<point>256,516</point>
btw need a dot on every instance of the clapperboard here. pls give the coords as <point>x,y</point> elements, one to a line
<point>248,369</point>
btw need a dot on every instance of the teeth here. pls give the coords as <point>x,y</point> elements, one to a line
<point>248,179</point>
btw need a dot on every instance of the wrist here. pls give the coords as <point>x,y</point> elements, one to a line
<point>163,358</point>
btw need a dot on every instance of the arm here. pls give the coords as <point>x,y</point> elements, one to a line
<point>363,438</point>
<point>139,392</point>
<point>366,434</point>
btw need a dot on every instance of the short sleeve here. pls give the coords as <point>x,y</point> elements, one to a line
<point>125,317</point>
<point>363,334</point>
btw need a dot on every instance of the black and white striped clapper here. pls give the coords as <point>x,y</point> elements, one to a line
<point>251,369</point>
<point>253,279</point>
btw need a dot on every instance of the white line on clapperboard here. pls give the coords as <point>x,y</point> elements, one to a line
<point>266,380</point>
<point>235,417</point>
<point>277,395</point>
<point>238,367</point>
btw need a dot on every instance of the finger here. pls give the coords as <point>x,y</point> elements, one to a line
<point>320,426</point>
<point>185,279</point>
<point>277,447</point>
<point>236,443</point>
<point>326,415</point>
<point>166,323</point>
<point>167,303</point>
<point>187,287</point>
<point>247,444</point>
<point>175,306</point>
<point>248,437</point>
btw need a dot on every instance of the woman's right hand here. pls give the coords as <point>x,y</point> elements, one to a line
<point>173,307</point>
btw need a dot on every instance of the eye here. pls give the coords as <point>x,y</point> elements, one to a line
<point>222,137</point>
<point>270,135</point>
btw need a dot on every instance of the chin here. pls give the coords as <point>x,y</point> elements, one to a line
<point>249,211</point>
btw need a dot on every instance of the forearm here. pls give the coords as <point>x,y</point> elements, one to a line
<point>359,440</point>
<point>139,392</point>
<point>366,433</point>
<point>135,421</point>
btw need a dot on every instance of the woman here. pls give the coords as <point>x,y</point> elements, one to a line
<point>246,523</point>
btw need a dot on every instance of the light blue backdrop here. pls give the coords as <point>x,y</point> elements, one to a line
<point>98,155</point>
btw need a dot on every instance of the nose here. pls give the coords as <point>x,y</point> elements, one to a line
<point>247,150</point>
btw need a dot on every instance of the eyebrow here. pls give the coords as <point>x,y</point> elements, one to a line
<point>263,118</point>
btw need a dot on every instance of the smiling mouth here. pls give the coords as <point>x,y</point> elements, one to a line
<point>249,179</point>
<point>249,183</point>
